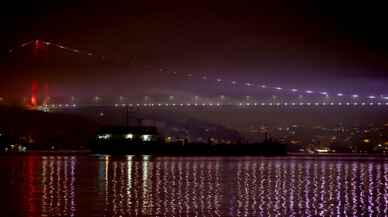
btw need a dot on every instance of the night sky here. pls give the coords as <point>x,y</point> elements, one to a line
<point>309,44</point>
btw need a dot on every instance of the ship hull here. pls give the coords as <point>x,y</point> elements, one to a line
<point>191,149</point>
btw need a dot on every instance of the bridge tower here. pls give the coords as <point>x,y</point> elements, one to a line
<point>39,49</point>
<point>34,89</point>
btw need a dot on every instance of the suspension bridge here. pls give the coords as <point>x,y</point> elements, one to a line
<point>261,95</point>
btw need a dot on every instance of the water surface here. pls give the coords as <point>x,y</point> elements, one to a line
<point>36,185</point>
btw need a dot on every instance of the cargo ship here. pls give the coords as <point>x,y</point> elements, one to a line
<point>147,141</point>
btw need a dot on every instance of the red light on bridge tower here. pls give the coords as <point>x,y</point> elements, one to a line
<point>38,44</point>
<point>38,47</point>
<point>34,90</point>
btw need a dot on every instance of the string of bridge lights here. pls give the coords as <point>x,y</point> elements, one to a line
<point>57,45</point>
<point>219,80</point>
<point>281,89</point>
<point>202,105</point>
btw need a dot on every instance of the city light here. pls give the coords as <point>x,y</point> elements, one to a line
<point>322,150</point>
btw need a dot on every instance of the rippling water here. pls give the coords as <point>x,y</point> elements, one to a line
<point>127,186</point>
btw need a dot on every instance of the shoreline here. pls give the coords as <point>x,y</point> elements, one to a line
<point>291,155</point>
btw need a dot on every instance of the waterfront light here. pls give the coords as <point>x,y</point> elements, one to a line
<point>322,150</point>
<point>104,136</point>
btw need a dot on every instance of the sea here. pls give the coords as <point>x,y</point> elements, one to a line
<point>71,184</point>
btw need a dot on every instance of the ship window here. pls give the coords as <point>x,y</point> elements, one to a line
<point>104,136</point>
<point>146,138</point>
<point>129,136</point>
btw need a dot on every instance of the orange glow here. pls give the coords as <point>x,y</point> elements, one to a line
<point>33,101</point>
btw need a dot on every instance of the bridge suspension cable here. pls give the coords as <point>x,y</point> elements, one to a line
<point>218,80</point>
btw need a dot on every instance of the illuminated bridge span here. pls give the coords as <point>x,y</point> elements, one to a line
<point>209,105</point>
<point>263,95</point>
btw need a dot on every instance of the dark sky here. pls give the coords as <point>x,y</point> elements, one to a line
<point>308,44</point>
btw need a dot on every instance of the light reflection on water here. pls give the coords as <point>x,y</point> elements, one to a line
<point>167,186</point>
